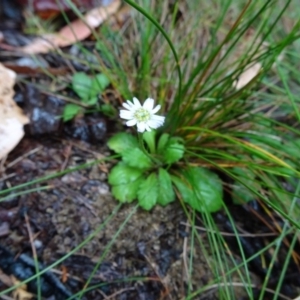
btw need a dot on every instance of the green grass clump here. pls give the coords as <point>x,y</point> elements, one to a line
<point>194,63</point>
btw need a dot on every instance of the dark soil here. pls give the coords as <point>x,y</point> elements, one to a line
<point>146,258</point>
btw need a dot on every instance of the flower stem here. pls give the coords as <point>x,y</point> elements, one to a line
<point>142,145</point>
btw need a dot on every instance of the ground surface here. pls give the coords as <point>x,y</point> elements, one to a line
<point>135,255</point>
<point>150,246</point>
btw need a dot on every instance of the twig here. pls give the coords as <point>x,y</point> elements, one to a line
<point>119,292</point>
<point>7,176</point>
<point>23,156</point>
<point>184,257</point>
<point>31,239</point>
<point>34,254</point>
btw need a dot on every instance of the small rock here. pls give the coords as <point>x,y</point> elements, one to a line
<point>37,244</point>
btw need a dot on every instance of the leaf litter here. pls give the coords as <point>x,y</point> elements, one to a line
<point>77,30</point>
<point>12,118</point>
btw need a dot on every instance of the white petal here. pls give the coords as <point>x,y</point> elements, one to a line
<point>131,122</point>
<point>147,127</point>
<point>125,114</point>
<point>156,109</point>
<point>141,127</point>
<point>156,118</point>
<point>130,103</point>
<point>136,102</point>
<point>148,104</point>
<point>154,124</point>
<point>127,106</point>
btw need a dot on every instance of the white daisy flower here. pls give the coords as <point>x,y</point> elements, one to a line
<point>142,116</point>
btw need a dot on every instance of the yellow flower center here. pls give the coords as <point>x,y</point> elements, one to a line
<point>142,115</point>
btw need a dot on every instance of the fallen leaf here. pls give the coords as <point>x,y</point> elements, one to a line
<point>46,9</point>
<point>20,293</point>
<point>64,274</point>
<point>12,118</point>
<point>253,68</point>
<point>250,41</point>
<point>36,71</point>
<point>247,76</point>
<point>75,31</point>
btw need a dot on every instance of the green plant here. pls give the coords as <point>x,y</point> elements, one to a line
<point>150,173</point>
<point>88,89</point>
<point>227,129</point>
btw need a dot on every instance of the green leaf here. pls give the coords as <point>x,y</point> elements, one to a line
<point>122,141</point>
<point>99,84</point>
<point>174,151</point>
<point>240,193</point>
<point>148,192</point>
<point>149,138</point>
<point>166,193</point>
<point>125,181</point>
<point>108,110</point>
<point>90,101</point>
<point>200,188</point>
<point>126,192</point>
<point>135,157</point>
<point>162,143</point>
<point>123,174</point>
<point>81,84</point>
<point>70,111</point>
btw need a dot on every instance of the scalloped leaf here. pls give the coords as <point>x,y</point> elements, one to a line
<point>149,138</point>
<point>166,193</point>
<point>200,188</point>
<point>81,84</point>
<point>174,151</point>
<point>162,142</point>
<point>148,192</point>
<point>123,174</point>
<point>99,83</point>
<point>136,158</point>
<point>70,111</point>
<point>122,141</point>
<point>125,182</point>
<point>126,192</point>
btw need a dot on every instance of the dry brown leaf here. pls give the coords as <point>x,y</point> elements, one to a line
<point>247,76</point>
<point>20,293</point>
<point>252,69</point>
<point>12,118</point>
<point>73,32</point>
